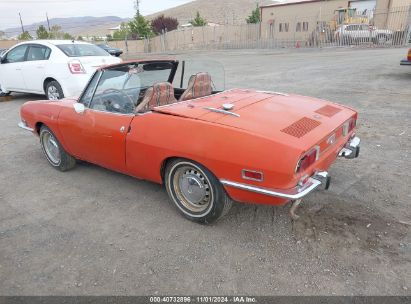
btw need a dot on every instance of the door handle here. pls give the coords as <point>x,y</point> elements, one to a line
<point>122,129</point>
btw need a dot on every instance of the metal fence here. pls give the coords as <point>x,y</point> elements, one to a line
<point>382,29</point>
<point>374,28</point>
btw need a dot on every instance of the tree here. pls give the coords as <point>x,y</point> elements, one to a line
<point>25,36</point>
<point>123,32</point>
<point>67,36</point>
<point>55,32</point>
<point>80,38</point>
<point>162,23</point>
<point>109,37</point>
<point>140,27</point>
<point>198,20</point>
<point>255,16</point>
<point>42,33</point>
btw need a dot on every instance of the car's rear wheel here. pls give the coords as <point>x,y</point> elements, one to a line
<point>2,93</point>
<point>195,191</point>
<point>381,39</point>
<point>54,91</point>
<point>54,152</point>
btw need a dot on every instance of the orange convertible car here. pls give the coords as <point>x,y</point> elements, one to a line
<point>155,121</point>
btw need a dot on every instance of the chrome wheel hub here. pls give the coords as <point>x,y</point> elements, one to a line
<point>51,148</point>
<point>192,189</point>
<point>53,93</point>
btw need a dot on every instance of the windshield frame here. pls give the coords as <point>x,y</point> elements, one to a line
<point>101,71</point>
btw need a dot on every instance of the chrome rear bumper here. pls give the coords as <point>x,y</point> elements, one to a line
<point>318,180</point>
<point>351,148</point>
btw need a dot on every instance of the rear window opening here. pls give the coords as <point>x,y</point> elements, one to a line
<point>81,50</point>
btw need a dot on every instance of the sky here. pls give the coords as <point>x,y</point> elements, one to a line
<point>35,10</point>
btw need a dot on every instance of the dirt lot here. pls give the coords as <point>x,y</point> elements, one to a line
<point>95,232</point>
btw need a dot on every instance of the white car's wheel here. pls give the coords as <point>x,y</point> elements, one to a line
<point>54,91</point>
<point>381,39</point>
<point>195,191</point>
<point>2,93</point>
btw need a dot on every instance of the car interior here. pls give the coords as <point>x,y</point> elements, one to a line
<point>140,87</point>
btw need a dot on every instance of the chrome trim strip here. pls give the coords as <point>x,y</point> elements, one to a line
<point>290,194</point>
<point>273,93</point>
<point>221,111</point>
<point>24,126</point>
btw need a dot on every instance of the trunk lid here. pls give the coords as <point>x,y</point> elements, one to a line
<point>299,121</point>
<point>91,63</point>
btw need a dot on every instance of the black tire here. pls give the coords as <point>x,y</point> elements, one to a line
<point>216,202</point>
<point>61,160</point>
<point>4,93</point>
<point>54,90</point>
<point>381,39</point>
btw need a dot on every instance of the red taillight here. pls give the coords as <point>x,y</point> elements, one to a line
<point>349,125</point>
<point>252,175</point>
<point>308,159</point>
<point>76,67</point>
<point>409,55</point>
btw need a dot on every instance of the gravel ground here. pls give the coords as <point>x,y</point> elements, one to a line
<point>91,231</point>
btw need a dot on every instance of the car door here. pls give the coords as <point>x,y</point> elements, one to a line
<point>96,135</point>
<point>11,78</point>
<point>33,68</point>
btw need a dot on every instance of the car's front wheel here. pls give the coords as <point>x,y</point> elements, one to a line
<point>54,91</point>
<point>195,191</point>
<point>54,152</point>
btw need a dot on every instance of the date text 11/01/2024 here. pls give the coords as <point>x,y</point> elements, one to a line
<point>203,299</point>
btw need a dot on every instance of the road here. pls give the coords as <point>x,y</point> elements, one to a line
<point>91,231</point>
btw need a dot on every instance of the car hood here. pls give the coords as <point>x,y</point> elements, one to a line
<point>289,118</point>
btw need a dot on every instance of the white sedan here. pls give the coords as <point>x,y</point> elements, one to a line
<point>56,68</point>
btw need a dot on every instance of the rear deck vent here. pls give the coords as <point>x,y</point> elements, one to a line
<point>328,111</point>
<point>301,127</point>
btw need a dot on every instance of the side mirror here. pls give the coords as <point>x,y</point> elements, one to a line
<point>79,108</point>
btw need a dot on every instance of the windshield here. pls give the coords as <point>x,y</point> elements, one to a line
<point>121,88</point>
<point>81,50</point>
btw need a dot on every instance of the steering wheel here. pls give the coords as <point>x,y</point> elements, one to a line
<point>121,93</point>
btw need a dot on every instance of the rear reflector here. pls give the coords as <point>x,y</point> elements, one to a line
<point>252,175</point>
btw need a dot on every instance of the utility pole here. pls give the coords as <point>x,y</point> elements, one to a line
<point>48,22</point>
<point>137,7</point>
<point>21,22</point>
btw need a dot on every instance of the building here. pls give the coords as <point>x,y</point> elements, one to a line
<point>299,20</point>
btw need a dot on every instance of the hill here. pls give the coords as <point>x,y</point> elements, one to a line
<point>217,11</point>
<point>75,25</point>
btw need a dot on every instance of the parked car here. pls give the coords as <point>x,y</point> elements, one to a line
<point>208,147</point>
<point>355,33</point>
<point>407,61</point>
<point>57,68</point>
<point>111,50</point>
